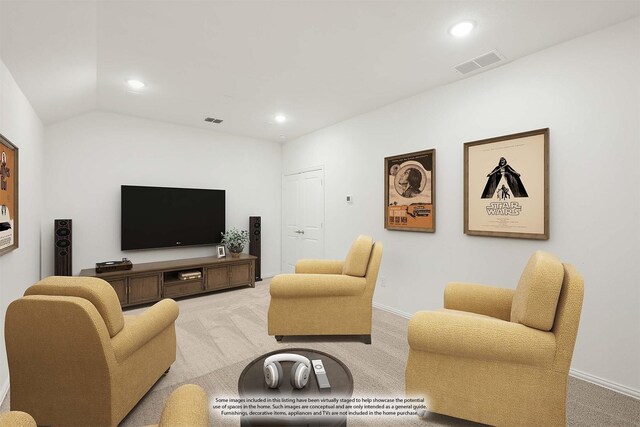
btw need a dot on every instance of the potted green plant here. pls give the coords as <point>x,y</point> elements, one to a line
<point>235,241</point>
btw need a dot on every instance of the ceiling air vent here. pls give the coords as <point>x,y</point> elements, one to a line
<point>212,120</point>
<point>481,61</point>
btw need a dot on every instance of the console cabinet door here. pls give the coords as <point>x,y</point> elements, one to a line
<point>144,288</point>
<point>120,286</point>
<point>240,274</point>
<point>217,277</point>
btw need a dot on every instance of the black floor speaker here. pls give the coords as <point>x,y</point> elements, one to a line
<point>255,230</point>
<point>62,248</point>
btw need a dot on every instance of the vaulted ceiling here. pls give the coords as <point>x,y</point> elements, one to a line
<point>317,62</point>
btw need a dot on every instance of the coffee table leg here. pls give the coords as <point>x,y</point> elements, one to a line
<point>366,339</point>
<point>279,337</point>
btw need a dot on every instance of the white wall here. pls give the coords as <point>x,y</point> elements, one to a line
<point>90,156</point>
<point>21,267</point>
<point>587,91</point>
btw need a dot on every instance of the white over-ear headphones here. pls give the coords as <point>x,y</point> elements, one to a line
<point>299,371</point>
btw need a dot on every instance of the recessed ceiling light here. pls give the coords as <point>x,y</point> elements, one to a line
<point>461,29</point>
<point>281,118</point>
<point>135,84</point>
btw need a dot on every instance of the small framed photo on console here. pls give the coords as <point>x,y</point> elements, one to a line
<point>221,251</point>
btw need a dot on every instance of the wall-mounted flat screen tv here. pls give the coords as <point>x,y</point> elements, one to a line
<point>161,217</point>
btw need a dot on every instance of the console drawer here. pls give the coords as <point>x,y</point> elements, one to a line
<point>180,289</point>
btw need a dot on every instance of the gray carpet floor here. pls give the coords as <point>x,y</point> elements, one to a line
<point>219,334</point>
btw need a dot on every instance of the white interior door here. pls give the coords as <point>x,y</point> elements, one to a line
<point>303,218</point>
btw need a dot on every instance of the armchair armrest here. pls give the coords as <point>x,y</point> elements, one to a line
<point>187,406</point>
<point>143,328</point>
<point>319,266</point>
<point>481,299</point>
<point>480,338</point>
<point>316,285</point>
<point>17,419</point>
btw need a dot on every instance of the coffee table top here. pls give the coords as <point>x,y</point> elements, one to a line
<point>252,381</point>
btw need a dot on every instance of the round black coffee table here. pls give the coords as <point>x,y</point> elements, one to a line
<point>252,383</point>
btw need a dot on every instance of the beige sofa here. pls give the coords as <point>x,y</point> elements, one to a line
<point>75,359</point>
<point>327,297</point>
<point>186,407</point>
<point>499,356</point>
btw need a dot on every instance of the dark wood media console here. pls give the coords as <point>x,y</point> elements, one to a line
<point>152,281</point>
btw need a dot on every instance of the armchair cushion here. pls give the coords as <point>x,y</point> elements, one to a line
<point>480,337</point>
<point>96,291</point>
<point>319,266</point>
<point>536,297</point>
<point>316,285</point>
<point>139,330</point>
<point>488,300</point>
<point>358,257</point>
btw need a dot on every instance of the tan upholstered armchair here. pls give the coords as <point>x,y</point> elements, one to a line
<point>74,359</point>
<point>499,356</point>
<point>327,297</point>
<point>187,406</point>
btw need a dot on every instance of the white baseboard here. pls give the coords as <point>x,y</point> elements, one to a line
<point>392,310</point>
<point>619,388</point>
<point>4,390</point>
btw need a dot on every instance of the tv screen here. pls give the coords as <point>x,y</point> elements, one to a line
<point>161,217</point>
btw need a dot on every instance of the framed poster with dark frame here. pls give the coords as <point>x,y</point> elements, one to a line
<point>506,186</point>
<point>8,196</point>
<point>410,192</point>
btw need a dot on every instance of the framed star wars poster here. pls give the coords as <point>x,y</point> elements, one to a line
<point>506,186</point>
<point>410,192</point>
<point>8,196</point>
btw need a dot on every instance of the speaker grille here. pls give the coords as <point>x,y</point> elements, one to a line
<point>254,242</point>
<point>62,247</point>
<point>63,243</point>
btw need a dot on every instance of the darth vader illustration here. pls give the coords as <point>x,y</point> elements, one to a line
<point>511,177</point>
<point>5,172</point>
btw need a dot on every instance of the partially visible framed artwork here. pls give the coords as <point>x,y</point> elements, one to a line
<point>8,196</point>
<point>221,251</point>
<point>410,192</point>
<point>506,186</point>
